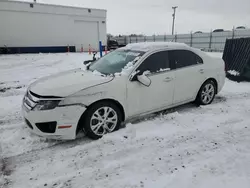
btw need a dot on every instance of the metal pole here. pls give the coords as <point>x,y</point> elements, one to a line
<point>191,39</point>
<point>233,33</point>
<point>173,18</point>
<point>100,48</point>
<point>210,40</point>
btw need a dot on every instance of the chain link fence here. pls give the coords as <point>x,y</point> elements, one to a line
<point>213,41</point>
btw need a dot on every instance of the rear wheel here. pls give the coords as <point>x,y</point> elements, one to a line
<point>102,118</point>
<point>207,93</point>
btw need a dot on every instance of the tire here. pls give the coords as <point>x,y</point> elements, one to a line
<point>101,118</point>
<point>206,93</point>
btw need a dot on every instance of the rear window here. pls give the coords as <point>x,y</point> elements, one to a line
<point>184,58</point>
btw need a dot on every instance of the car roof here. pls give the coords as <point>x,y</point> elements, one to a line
<point>148,46</point>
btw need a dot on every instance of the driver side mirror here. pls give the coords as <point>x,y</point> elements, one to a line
<point>87,62</point>
<point>143,79</point>
<point>90,61</point>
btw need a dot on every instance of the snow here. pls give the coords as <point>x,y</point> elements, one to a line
<point>188,146</point>
<point>146,46</point>
<point>85,67</point>
<point>129,67</point>
<point>233,72</point>
<point>146,72</point>
<point>97,73</point>
<point>215,54</point>
<point>162,70</point>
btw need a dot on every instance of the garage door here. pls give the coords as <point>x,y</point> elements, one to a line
<point>86,33</point>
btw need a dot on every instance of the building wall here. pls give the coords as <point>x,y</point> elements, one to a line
<point>50,25</point>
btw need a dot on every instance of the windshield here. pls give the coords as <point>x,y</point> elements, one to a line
<point>115,61</point>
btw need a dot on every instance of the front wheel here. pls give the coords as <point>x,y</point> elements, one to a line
<point>102,118</point>
<point>207,93</point>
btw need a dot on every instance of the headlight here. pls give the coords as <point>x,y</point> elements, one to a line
<point>46,104</point>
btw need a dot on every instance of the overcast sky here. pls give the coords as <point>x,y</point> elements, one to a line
<point>155,16</point>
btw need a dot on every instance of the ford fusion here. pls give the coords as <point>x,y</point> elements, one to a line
<point>132,81</point>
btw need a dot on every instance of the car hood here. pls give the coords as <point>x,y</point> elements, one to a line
<point>66,83</point>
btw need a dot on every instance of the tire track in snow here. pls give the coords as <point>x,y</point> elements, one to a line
<point>167,154</point>
<point>5,171</point>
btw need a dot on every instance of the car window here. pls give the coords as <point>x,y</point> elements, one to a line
<point>115,61</point>
<point>155,63</point>
<point>198,59</point>
<point>184,58</point>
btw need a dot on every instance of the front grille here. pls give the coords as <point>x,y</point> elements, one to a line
<point>30,101</point>
<point>47,127</point>
<point>28,123</point>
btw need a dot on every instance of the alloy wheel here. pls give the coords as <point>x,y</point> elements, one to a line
<point>103,120</point>
<point>207,93</point>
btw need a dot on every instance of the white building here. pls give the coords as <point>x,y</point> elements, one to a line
<point>34,27</point>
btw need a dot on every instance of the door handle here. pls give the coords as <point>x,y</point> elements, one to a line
<point>168,79</point>
<point>201,71</point>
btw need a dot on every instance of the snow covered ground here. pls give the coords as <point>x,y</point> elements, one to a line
<point>183,147</point>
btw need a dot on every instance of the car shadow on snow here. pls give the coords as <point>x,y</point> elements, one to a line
<point>181,109</point>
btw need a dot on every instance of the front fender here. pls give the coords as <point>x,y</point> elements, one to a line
<point>91,95</point>
<point>84,97</point>
<point>115,90</point>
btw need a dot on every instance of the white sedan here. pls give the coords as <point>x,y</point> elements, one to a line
<point>135,80</point>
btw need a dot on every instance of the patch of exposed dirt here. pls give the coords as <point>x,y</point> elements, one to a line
<point>3,90</point>
<point>5,172</point>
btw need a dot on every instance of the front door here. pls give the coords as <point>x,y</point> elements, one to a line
<point>143,99</point>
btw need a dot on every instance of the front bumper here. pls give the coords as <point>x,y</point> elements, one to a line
<point>66,119</point>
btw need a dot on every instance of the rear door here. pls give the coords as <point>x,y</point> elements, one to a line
<point>189,74</point>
